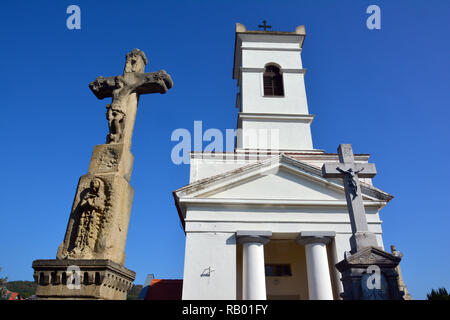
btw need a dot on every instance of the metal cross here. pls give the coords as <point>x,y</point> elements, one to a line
<point>264,25</point>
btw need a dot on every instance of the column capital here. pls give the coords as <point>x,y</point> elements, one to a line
<point>244,236</point>
<point>308,237</point>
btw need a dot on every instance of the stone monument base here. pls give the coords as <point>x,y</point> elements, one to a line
<point>82,279</point>
<point>370,274</point>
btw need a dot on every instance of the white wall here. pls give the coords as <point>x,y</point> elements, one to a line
<point>283,185</point>
<point>253,100</point>
<point>202,167</point>
<point>282,219</point>
<point>210,249</point>
<point>291,134</point>
<point>260,49</point>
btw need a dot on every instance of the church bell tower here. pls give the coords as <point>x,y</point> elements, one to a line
<point>273,109</point>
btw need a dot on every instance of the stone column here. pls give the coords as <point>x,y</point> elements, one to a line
<point>254,277</point>
<point>319,281</point>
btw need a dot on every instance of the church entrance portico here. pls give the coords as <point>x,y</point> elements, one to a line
<point>293,266</point>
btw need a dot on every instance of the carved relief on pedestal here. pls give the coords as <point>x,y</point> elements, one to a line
<point>93,216</point>
<point>88,223</point>
<point>111,158</point>
<point>108,160</point>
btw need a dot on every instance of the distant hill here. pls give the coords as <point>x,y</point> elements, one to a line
<point>24,288</point>
<point>28,288</point>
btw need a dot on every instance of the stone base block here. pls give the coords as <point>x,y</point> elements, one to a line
<point>112,158</point>
<point>82,279</point>
<point>370,274</point>
<point>361,240</point>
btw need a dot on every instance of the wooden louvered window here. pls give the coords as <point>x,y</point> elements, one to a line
<point>273,82</point>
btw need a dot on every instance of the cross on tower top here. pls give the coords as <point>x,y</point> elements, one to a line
<point>264,25</point>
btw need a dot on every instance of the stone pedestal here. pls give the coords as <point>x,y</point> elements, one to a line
<point>95,239</point>
<point>370,274</point>
<point>98,223</point>
<point>94,243</point>
<point>82,279</point>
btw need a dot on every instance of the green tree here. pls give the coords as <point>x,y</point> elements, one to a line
<point>439,294</point>
<point>24,288</point>
<point>3,281</point>
<point>133,293</point>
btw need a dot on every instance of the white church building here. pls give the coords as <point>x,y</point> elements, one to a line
<point>262,222</point>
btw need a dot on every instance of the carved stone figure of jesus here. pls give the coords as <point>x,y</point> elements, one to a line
<point>116,112</point>
<point>122,111</point>
<point>116,122</point>
<point>352,176</point>
<point>121,92</point>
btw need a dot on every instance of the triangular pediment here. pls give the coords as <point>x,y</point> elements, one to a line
<point>277,178</point>
<point>277,184</point>
<point>369,256</point>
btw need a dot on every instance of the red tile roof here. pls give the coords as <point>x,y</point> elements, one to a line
<point>164,289</point>
<point>9,295</point>
<point>15,296</point>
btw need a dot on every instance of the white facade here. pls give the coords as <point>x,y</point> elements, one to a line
<point>242,211</point>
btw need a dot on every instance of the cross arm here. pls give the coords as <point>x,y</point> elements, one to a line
<point>366,170</point>
<point>141,83</point>
<point>103,87</point>
<point>154,82</point>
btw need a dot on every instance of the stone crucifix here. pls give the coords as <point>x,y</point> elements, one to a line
<point>350,171</point>
<point>98,222</point>
<point>125,91</point>
<point>96,232</point>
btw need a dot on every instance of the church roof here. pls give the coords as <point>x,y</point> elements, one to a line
<point>165,289</point>
<point>204,186</point>
<point>5,294</point>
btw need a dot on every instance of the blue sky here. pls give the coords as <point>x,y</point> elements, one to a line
<point>385,91</point>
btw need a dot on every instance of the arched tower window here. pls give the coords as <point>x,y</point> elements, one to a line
<point>273,81</point>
